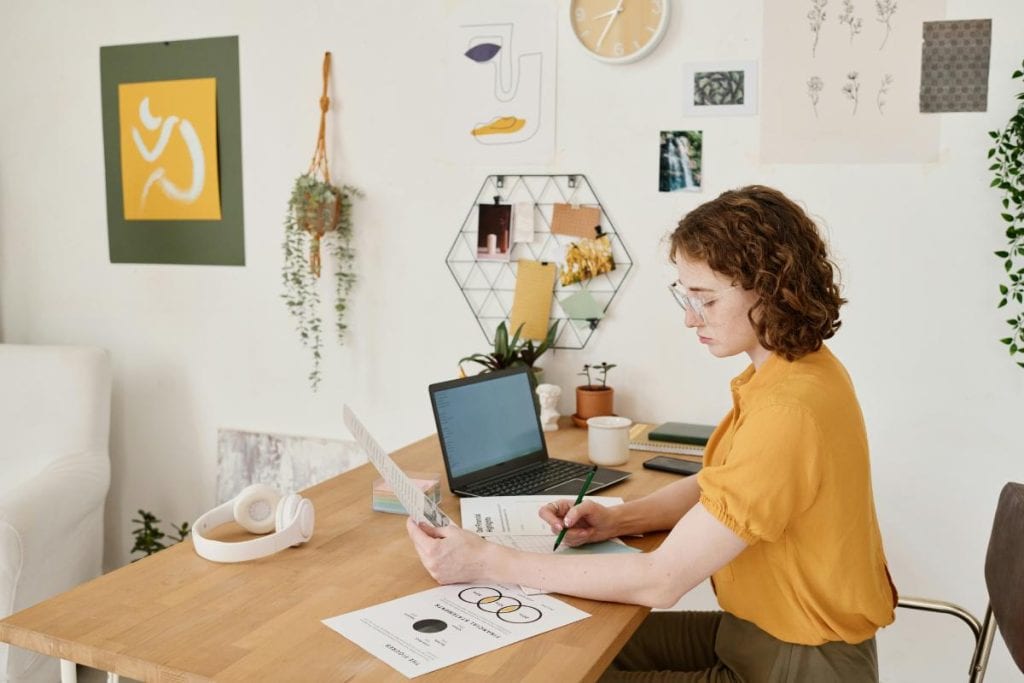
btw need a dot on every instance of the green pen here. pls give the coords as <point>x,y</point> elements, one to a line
<point>579,499</point>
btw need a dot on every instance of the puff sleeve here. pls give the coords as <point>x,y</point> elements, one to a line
<point>770,474</point>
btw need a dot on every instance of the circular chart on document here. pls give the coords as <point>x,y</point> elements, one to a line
<point>430,625</point>
<point>505,607</point>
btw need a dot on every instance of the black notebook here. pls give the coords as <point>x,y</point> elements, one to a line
<point>682,432</point>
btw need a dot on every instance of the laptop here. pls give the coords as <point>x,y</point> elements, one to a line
<point>493,444</point>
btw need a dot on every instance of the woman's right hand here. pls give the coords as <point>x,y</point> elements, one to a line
<point>587,522</point>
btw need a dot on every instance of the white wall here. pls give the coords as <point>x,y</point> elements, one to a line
<point>197,348</point>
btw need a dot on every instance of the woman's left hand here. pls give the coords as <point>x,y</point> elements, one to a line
<point>450,554</point>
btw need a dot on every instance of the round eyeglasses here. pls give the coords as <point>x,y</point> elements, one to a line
<point>697,304</point>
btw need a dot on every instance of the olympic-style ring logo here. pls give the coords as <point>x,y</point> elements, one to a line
<point>505,607</point>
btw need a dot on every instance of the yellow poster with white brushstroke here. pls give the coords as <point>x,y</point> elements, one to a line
<point>169,150</point>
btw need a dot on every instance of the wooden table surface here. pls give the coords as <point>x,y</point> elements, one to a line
<point>174,616</point>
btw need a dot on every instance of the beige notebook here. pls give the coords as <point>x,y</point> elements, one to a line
<point>531,308</point>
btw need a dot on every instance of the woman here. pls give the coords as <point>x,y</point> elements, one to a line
<point>781,517</point>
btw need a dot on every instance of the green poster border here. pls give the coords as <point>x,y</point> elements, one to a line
<point>201,242</point>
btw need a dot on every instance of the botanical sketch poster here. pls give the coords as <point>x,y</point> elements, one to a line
<point>500,82</point>
<point>841,82</point>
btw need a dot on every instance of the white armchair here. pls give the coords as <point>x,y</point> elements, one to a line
<point>54,476</point>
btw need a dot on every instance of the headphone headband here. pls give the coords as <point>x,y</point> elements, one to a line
<point>298,530</point>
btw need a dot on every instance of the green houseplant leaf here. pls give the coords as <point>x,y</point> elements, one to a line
<point>512,352</point>
<point>1008,176</point>
<point>148,536</point>
<point>529,353</point>
<point>318,212</point>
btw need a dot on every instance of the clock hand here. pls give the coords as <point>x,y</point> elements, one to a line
<point>611,19</point>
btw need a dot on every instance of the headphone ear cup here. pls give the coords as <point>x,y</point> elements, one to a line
<point>295,507</point>
<point>306,519</point>
<point>255,508</point>
<point>286,510</point>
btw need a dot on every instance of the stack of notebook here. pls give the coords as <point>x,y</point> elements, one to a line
<point>386,500</point>
<point>684,440</point>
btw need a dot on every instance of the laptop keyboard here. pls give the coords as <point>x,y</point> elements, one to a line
<point>531,480</point>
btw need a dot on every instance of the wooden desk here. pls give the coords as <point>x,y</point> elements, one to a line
<point>177,617</point>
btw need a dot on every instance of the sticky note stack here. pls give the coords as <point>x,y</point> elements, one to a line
<point>385,500</point>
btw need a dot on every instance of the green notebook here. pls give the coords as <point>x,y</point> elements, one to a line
<point>681,432</point>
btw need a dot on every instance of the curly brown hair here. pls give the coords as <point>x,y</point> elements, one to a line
<point>766,243</point>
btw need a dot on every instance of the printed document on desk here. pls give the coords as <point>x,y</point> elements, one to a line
<point>439,627</point>
<point>412,497</point>
<point>515,515</point>
<point>512,521</point>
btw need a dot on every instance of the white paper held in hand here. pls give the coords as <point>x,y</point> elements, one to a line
<point>412,498</point>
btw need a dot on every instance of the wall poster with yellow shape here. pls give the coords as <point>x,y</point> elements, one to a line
<point>169,149</point>
<point>172,151</point>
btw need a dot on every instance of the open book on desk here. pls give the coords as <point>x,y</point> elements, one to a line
<point>639,441</point>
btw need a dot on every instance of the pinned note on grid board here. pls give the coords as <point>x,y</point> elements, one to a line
<point>581,308</point>
<point>531,307</point>
<point>522,222</point>
<point>578,221</point>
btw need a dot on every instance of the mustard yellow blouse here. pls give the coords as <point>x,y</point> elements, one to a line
<point>787,470</point>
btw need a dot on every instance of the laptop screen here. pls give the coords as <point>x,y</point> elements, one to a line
<point>487,422</point>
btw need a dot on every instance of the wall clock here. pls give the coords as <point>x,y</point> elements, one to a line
<point>619,31</point>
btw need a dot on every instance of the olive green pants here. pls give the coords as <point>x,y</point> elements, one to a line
<point>715,647</point>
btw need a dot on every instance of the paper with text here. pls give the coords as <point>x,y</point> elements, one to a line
<point>413,499</point>
<point>427,631</point>
<point>517,515</point>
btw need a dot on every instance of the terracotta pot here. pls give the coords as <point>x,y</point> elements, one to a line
<point>592,401</point>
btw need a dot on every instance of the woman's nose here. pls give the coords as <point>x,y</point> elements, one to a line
<point>693,318</point>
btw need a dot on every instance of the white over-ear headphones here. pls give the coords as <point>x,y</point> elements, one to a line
<point>258,509</point>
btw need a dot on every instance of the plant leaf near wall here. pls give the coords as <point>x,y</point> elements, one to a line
<point>150,539</point>
<point>1008,171</point>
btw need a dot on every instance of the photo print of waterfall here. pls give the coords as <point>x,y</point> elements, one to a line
<point>680,161</point>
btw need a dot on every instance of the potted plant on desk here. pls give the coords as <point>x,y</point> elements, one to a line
<point>593,399</point>
<point>510,353</point>
<point>504,355</point>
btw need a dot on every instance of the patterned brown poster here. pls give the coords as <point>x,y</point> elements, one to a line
<point>954,65</point>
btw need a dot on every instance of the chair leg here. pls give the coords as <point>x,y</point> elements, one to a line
<point>984,649</point>
<point>68,671</point>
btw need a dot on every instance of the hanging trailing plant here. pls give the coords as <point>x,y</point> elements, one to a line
<point>1008,171</point>
<point>318,212</point>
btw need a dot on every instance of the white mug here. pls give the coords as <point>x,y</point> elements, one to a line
<point>608,440</point>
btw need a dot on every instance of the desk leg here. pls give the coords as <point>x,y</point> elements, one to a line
<point>68,672</point>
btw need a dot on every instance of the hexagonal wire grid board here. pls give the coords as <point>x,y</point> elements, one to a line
<point>489,286</point>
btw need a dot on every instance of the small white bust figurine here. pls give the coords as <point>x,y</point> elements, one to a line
<point>549,394</point>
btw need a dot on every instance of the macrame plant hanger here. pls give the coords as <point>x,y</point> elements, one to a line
<point>326,218</point>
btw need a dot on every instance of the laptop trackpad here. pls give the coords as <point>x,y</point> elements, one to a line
<point>566,488</point>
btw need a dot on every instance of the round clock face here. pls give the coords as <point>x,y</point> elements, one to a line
<point>619,31</point>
